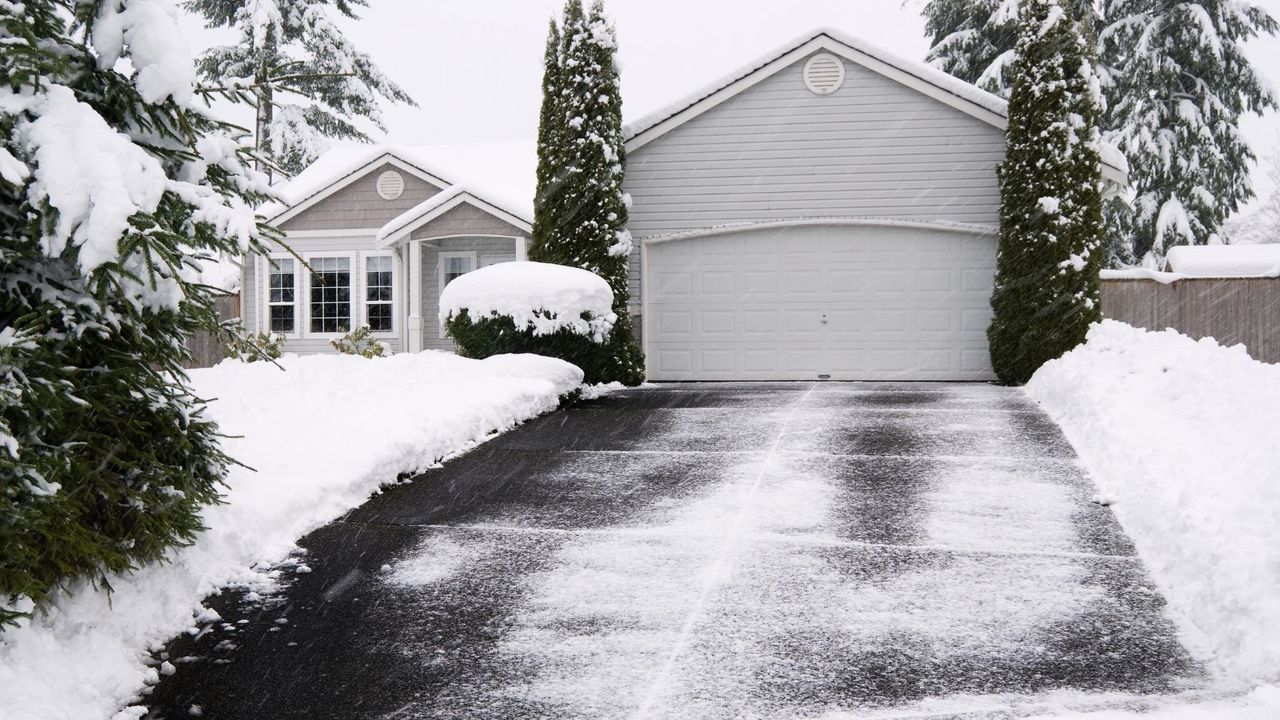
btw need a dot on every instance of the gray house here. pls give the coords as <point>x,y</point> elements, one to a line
<point>828,212</point>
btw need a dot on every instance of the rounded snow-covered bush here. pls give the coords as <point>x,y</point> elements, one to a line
<point>531,307</point>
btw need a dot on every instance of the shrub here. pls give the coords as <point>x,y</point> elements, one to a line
<point>498,335</point>
<point>360,342</point>
<point>245,346</point>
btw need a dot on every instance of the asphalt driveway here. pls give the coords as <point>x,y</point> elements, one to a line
<point>711,551</point>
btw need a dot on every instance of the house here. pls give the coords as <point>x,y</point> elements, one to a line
<point>829,211</point>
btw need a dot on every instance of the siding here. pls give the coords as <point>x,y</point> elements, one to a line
<point>358,205</point>
<point>488,251</point>
<point>466,219</point>
<point>874,148</point>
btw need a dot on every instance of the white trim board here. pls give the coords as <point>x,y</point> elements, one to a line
<point>967,228</point>
<point>350,177</point>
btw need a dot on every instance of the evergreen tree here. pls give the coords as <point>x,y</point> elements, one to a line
<point>580,216</point>
<point>1050,250</point>
<point>113,188</point>
<point>1181,82</point>
<point>974,39</point>
<point>307,81</point>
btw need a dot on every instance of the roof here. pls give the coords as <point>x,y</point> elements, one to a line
<point>1225,260</point>
<point>941,86</point>
<point>498,174</point>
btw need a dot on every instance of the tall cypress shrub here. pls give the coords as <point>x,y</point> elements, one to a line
<point>1050,250</point>
<point>580,213</point>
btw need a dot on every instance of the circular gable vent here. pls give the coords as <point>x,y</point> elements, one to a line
<point>824,74</point>
<point>390,185</point>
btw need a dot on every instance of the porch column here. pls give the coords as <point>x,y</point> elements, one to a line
<point>414,334</point>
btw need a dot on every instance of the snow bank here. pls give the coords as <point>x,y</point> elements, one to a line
<point>540,296</point>
<point>1138,273</point>
<point>1225,260</point>
<point>323,435</point>
<point>1181,437</point>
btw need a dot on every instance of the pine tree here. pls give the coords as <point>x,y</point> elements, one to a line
<point>1181,82</point>
<point>113,188</point>
<point>307,81</point>
<point>1050,249</point>
<point>580,216</point>
<point>974,39</point>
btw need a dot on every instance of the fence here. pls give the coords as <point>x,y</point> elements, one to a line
<point>206,347</point>
<point>1230,310</point>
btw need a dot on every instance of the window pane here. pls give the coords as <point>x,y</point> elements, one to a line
<point>282,318</point>
<point>331,295</point>
<point>380,317</point>
<point>455,267</point>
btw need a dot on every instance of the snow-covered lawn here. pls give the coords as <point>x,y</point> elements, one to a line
<point>1183,438</point>
<point>323,435</point>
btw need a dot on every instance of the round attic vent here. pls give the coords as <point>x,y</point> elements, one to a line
<point>390,185</point>
<point>824,74</point>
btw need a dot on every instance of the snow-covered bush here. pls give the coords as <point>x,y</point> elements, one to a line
<point>248,346</point>
<point>114,188</point>
<point>360,342</point>
<point>530,307</point>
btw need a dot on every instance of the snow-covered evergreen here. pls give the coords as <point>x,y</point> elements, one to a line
<point>308,82</point>
<point>1261,224</point>
<point>1180,83</point>
<point>974,39</point>
<point>1050,250</point>
<point>580,213</point>
<point>113,189</point>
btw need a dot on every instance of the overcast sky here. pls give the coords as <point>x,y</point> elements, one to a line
<point>474,66</point>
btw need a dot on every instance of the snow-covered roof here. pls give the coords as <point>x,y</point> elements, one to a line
<point>501,174</point>
<point>947,88</point>
<point>1225,260</point>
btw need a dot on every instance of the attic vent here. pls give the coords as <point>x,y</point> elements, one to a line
<point>824,74</point>
<point>390,185</point>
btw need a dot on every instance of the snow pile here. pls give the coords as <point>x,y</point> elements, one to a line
<point>323,435</point>
<point>1141,273</point>
<point>538,296</point>
<point>1181,437</point>
<point>1225,260</point>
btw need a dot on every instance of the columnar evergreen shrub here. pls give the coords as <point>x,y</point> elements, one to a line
<point>1050,250</point>
<point>306,79</point>
<point>113,187</point>
<point>580,211</point>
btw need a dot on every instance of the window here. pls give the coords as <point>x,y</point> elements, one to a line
<point>330,294</point>
<point>455,265</point>
<point>378,293</point>
<point>282,285</point>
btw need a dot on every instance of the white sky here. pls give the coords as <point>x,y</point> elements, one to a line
<point>475,66</point>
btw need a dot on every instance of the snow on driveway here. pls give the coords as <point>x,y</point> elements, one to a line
<point>717,551</point>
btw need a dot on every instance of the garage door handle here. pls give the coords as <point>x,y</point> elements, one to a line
<point>825,320</point>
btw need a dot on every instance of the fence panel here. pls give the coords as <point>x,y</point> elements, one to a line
<point>206,348</point>
<point>1230,310</point>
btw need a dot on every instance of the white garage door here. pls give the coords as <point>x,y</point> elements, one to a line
<point>811,302</point>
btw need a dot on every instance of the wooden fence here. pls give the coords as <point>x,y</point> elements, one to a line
<point>206,347</point>
<point>1230,310</point>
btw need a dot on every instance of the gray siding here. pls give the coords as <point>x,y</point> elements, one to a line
<point>488,251</point>
<point>466,220</point>
<point>874,148</point>
<point>358,205</point>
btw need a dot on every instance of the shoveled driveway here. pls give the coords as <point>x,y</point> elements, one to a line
<point>711,551</point>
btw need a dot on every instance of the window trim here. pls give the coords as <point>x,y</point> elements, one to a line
<point>357,291</point>
<point>264,283</point>
<point>395,292</point>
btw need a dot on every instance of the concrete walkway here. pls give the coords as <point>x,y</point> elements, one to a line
<point>711,551</point>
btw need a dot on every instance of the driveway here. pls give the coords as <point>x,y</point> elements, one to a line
<point>711,551</point>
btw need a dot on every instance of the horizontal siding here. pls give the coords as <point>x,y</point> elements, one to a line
<point>487,250</point>
<point>874,148</point>
<point>466,219</point>
<point>358,205</point>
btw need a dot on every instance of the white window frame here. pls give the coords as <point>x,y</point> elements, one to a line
<point>440,258</point>
<point>357,292</point>
<point>395,292</point>
<point>468,254</point>
<point>264,284</point>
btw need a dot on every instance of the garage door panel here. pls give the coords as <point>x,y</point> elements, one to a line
<point>853,303</point>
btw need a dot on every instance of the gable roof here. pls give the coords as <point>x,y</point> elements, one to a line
<point>415,217</point>
<point>498,175</point>
<point>921,77</point>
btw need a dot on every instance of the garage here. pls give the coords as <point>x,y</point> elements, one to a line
<point>839,301</point>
